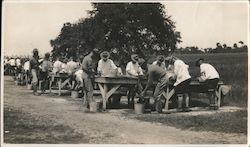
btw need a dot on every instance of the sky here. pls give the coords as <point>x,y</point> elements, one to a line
<point>29,25</point>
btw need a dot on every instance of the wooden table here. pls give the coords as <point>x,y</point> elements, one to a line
<point>61,79</point>
<point>115,83</point>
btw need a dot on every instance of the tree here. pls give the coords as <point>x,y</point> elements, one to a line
<point>122,29</point>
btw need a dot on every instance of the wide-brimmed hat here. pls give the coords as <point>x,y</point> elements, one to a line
<point>105,55</point>
<point>135,57</point>
<point>197,63</point>
<point>160,58</point>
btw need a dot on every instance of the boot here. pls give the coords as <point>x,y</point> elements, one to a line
<point>35,90</point>
<point>186,108</point>
<point>180,101</point>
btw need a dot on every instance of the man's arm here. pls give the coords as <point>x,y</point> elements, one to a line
<point>113,65</point>
<point>99,67</point>
<point>203,74</point>
<point>128,69</point>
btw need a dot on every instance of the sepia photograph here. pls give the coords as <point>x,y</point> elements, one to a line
<point>124,73</point>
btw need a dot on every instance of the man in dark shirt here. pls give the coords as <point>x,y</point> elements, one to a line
<point>158,74</point>
<point>34,67</point>
<point>88,75</point>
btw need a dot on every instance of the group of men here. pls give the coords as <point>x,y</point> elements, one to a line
<point>162,71</point>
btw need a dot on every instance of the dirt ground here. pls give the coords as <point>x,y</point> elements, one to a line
<point>53,119</point>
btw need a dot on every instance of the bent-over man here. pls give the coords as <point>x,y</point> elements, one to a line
<point>157,74</point>
<point>181,86</point>
<point>210,77</point>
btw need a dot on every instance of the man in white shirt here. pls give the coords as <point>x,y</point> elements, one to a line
<point>26,68</point>
<point>71,66</point>
<point>210,77</point>
<point>57,66</point>
<point>133,68</point>
<point>12,62</point>
<point>160,62</point>
<point>106,67</point>
<point>18,62</point>
<point>181,86</point>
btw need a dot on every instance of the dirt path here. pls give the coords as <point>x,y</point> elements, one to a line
<point>108,127</point>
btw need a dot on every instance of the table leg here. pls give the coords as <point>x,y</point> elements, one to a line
<point>103,93</point>
<point>218,95</point>
<point>105,88</point>
<point>50,85</point>
<point>106,94</point>
<point>168,95</point>
<point>59,87</point>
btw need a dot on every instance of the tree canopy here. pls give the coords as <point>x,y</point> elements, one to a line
<point>120,28</point>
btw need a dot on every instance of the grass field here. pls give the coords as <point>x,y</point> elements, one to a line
<point>233,69</point>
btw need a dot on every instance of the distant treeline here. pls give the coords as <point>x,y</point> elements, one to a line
<point>236,48</point>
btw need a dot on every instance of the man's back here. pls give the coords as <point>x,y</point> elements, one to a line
<point>87,63</point>
<point>155,72</point>
<point>208,71</point>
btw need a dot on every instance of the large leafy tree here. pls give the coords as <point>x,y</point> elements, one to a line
<point>121,28</point>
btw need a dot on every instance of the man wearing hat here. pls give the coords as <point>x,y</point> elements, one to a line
<point>34,68</point>
<point>181,85</point>
<point>106,66</point>
<point>133,68</point>
<point>160,62</point>
<point>210,77</point>
<point>46,67</point>
<point>88,75</point>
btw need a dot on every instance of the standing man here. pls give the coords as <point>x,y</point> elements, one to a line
<point>26,68</point>
<point>210,77</point>
<point>158,74</point>
<point>12,63</point>
<point>181,86</point>
<point>34,68</point>
<point>106,66</point>
<point>46,67</point>
<point>88,75</point>
<point>160,62</point>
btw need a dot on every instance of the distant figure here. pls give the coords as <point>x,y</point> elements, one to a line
<point>160,62</point>
<point>133,68</point>
<point>12,64</point>
<point>26,68</point>
<point>34,68</point>
<point>88,75</point>
<point>106,66</point>
<point>18,62</point>
<point>210,77</point>
<point>181,86</point>
<point>64,66</point>
<point>45,72</point>
<point>72,66</point>
<point>57,66</point>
